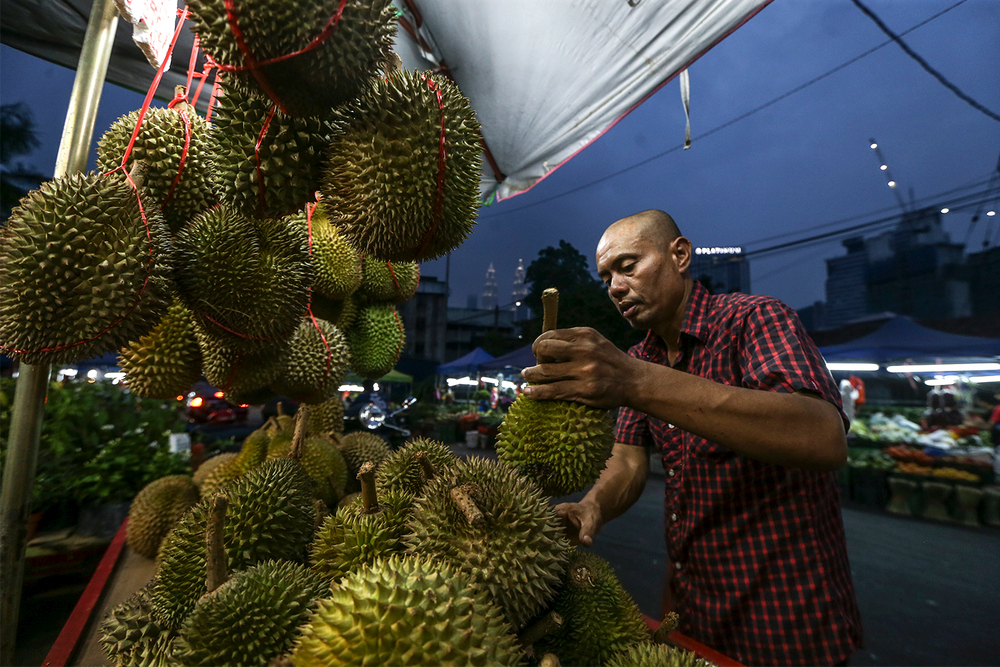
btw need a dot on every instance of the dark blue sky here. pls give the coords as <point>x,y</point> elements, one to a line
<point>797,164</point>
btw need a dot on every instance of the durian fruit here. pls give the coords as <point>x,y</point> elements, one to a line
<point>648,654</point>
<point>271,516</point>
<point>562,445</point>
<point>207,466</point>
<point>178,146</point>
<point>81,273</point>
<point>246,281</point>
<point>167,361</point>
<point>402,177</point>
<point>406,611</point>
<point>316,363</point>
<point>269,164</point>
<point>370,528</point>
<point>252,618</point>
<point>308,57</point>
<point>321,459</point>
<point>348,499</point>
<point>376,340</point>
<point>241,374</point>
<point>410,467</point>
<point>394,282</point>
<point>337,265</point>
<point>358,448</point>
<point>252,453</point>
<point>599,617</point>
<point>132,637</point>
<point>341,314</point>
<point>485,518</point>
<point>327,418</point>
<point>155,510</point>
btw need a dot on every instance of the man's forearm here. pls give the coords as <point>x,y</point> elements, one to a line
<point>795,430</point>
<point>621,482</point>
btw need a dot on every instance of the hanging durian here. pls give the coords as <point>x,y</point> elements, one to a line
<point>82,272</point>
<point>562,445</point>
<point>487,519</point>
<point>178,146</point>
<point>307,56</point>
<point>327,418</point>
<point>376,340</point>
<point>167,361</point>
<point>246,281</point>
<point>239,373</point>
<point>316,363</point>
<point>402,178</point>
<point>406,611</point>
<point>155,510</point>
<point>336,265</point>
<point>341,314</point>
<point>394,282</point>
<point>269,164</point>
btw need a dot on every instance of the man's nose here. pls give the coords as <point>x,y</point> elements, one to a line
<point>617,288</point>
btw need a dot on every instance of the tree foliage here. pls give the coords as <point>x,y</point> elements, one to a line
<point>17,139</point>
<point>583,300</point>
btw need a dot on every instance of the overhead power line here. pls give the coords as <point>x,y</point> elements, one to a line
<point>732,121</point>
<point>923,63</point>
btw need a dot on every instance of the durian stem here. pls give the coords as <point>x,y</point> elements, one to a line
<point>669,624</point>
<point>550,660</point>
<point>367,476</point>
<point>426,466</point>
<point>281,409</point>
<point>299,434</point>
<point>215,557</point>
<point>550,309</point>
<point>138,173</point>
<point>467,505</point>
<point>543,627</point>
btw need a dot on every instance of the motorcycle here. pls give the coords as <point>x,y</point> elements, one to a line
<point>380,420</point>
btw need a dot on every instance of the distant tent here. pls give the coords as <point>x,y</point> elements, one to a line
<point>466,365</point>
<point>518,359</point>
<point>901,338</point>
<point>391,376</point>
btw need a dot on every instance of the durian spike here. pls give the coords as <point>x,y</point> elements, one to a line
<point>426,466</point>
<point>299,434</point>
<point>543,627</point>
<point>550,309</point>
<point>669,624</point>
<point>550,660</point>
<point>367,476</point>
<point>460,496</point>
<point>281,661</point>
<point>215,557</point>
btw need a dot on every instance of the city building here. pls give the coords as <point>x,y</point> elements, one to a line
<point>518,293</point>
<point>984,281</point>
<point>722,270</point>
<point>846,291</point>
<point>488,299</point>
<point>469,328</point>
<point>425,319</point>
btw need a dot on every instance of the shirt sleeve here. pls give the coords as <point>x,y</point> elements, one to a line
<point>632,427</point>
<point>776,354</point>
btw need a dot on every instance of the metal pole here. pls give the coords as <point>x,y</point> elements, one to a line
<point>32,382</point>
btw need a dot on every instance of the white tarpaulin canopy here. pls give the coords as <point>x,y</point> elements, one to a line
<point>545,78</point>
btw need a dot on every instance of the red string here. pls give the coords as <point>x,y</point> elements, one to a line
<point>256,151</point>
<point>232,376</point>
<point>203,77</point>
<point>243,335</point>
<point>329,354</point>
<point>184,153</point>
<point>432,229</point>
<point>191,62</point>
<point>399,292</point>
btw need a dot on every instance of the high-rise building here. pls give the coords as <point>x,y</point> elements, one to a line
<point>721,270</point>
<point>846,290</point>
<point>518,293</point>
<point>425,319</point>
<point>488,299</point>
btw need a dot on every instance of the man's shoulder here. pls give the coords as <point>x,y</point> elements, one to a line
<point>737,307</point>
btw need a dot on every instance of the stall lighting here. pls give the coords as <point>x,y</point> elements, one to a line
<point>375,386</point>
<point>491,380</point>
<point>892,184</point>
<point>851,366</point>
<point>985,378</point>
<point>115,377</point>
<point>68,372</point>
<point>991,213</point>
<point>884,167</point>
<point>941,381</point>
<point>945,209</point>
<point>453,382</point>
<point>350,387</point>
<point>507,384</point>
<point>874,145</point>
<point>93,375</point>
<point>945,368</point>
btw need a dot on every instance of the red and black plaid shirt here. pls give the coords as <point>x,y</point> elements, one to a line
<point>757,550</point>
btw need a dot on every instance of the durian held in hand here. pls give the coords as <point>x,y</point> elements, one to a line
<point>562,445</point>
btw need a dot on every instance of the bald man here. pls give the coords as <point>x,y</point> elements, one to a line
<point>748,419</point>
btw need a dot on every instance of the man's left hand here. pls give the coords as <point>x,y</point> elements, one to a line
<point>580,365</point>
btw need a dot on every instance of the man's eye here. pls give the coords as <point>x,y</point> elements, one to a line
<point>628,267</point>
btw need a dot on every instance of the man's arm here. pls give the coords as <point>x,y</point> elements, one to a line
<point>798,430</point>
<point>619,486</point>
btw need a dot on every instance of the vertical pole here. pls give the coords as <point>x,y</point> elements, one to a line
<point>32,382</point>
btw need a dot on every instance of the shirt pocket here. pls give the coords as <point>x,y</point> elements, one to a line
<point>706,449</point>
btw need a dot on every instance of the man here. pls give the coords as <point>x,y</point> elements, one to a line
<point>736,395</point>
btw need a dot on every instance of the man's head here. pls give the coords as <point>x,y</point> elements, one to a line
<point>643,259</point>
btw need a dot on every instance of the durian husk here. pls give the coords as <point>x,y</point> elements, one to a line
<point>321,459</point>
<point>132,637</point>
<point>376,340</point>
<point>167,361</point>
<point>358,448</point>
<point>316,363</point>
<point>401,469</point>
<point>648,654</point>
<point>155,510</point>
<point>336,264</point>
<point>393,282</point>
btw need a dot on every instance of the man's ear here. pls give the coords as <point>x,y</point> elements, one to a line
<point>680,249</point>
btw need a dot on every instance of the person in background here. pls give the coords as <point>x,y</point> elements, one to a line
<point>736,396</point>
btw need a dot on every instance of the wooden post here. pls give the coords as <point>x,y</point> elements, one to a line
<point>33,380</point>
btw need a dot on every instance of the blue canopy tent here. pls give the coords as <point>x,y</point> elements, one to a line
<point>516,360</point>
<point>466,365</point>
<point>901,338</point>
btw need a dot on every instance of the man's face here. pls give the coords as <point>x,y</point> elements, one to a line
<point>643,274</point>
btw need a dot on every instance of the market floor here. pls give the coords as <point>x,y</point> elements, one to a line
<point>927,591</point>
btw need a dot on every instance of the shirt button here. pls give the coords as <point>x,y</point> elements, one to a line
<point>673,517</point>
<point>671,472</point>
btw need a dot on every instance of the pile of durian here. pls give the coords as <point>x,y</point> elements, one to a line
<point>268,557</point>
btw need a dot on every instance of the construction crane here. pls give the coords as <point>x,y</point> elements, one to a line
<point>890,181</point>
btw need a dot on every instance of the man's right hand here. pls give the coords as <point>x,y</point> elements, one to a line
<point>582,521</point>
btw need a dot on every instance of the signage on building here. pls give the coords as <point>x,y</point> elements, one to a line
<point>725,250</point>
